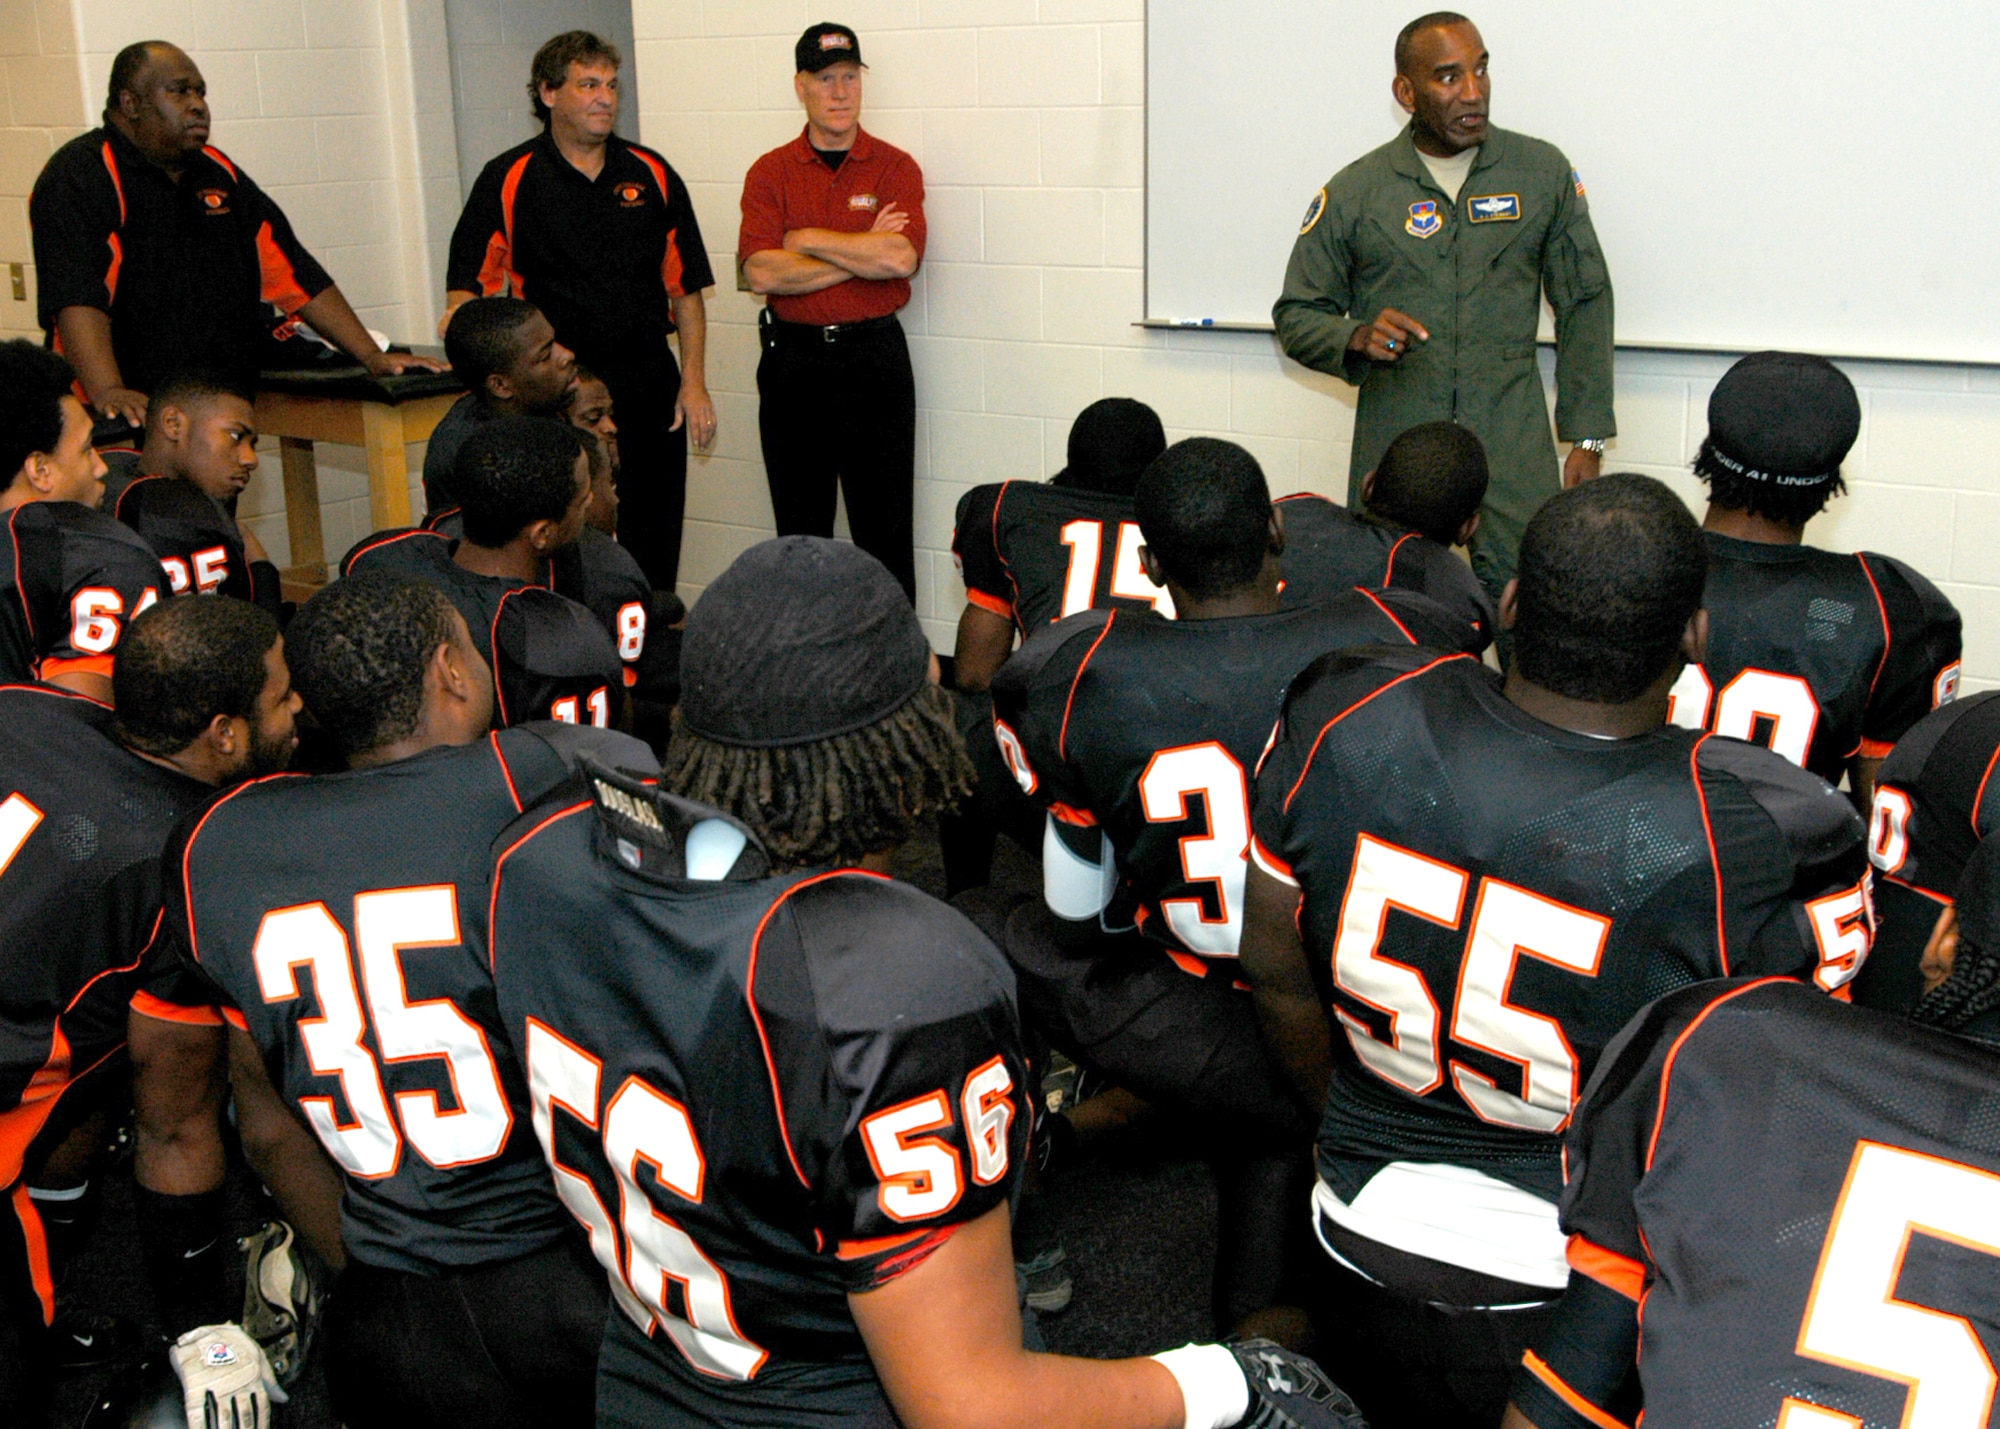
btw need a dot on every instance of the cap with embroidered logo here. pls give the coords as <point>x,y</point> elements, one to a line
<point>827,44</point>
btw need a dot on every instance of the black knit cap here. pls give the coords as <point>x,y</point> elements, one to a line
<point>826,44</point>
<point>1111,442</point>
<point>799,640</point>
<point>1788,418</point>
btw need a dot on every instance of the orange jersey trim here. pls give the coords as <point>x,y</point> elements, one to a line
<point>1539,1368</point>
<point>1062,735</point>
<point>1607,1267</point>
<point>147,1005</point>
<point>993,603</point>
<point>80,664</point>
<point>1376,693</point>
<point>281,281</point>
<point>36,1242</point>
<point>235,1019</point>
<point>856,1249</point>
<point>1876,748</point>
<point>1674,1052</point>
<point>510,189</point>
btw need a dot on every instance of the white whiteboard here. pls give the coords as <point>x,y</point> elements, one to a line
<point>1763,173</point>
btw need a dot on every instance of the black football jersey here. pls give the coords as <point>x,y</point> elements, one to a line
<point>196,540</point>
<point>1820,656</point>
<point>551,658</point>
<point>1330,549</point>
<point>1935,799</point>
<point>1148,728</point>
<point>82,824</point>
<point>1034,553</point>
<point>601,575</point>
<point>759,1093</point>
<point>1488,898</point>
<point>70,578</point>
<point>341,920</point>
<point>1807,1197</point>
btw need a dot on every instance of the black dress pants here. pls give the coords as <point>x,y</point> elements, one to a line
<point>652,460</point>
<point>841,411</point>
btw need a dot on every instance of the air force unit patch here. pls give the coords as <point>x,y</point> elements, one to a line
<point>1494,208</point>
<point>1423,220</point>
<point>1313,212</point>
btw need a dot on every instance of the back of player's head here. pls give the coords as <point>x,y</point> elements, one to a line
<point>1968,998</point>
<point>182,663</point>
<point>1779,426</point>
<point>1431,479</point>
<point>1205,511</point>
<point>484,338</point>
<point>1111,444</point>
<point>514,471</point>
<point>33,382</point>
<point>190,391</point>
<point>359,650</point>
<point>807,709</point>
<point>1611,572</point>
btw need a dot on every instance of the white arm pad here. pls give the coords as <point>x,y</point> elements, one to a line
<point>1074,888</point>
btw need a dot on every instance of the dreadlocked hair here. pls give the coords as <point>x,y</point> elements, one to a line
<point>836,800</point>
<point>1972,989</point>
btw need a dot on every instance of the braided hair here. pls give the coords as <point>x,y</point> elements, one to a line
<point>1971,990</point>
<point>835,800</point>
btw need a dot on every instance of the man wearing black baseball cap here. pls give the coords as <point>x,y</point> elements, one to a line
<point>1826,658</point>
<point>833,229</point>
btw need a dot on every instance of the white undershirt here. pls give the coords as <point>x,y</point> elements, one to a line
<point>1457,1215</point>
<point>1450,174</point>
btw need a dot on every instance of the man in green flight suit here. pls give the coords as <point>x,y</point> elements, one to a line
<point>1418,276</point>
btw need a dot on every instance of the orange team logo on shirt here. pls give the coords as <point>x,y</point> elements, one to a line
<point>630,195</point>
<point>214,200</point>
<point>862,201</point>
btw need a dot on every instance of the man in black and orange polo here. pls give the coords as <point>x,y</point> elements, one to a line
<point>157,254</point>
<point>599,233</point>
<point>833,229</point>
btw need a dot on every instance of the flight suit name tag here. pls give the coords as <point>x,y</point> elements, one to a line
<point>1423,220</point>
<point>1493,208</point>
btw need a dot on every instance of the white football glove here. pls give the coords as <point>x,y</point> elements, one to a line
<point>226,1382</point>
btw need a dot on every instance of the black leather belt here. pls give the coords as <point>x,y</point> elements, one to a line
<point>831,332</point>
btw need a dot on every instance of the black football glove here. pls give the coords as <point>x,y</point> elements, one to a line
<point>1289,1391</point>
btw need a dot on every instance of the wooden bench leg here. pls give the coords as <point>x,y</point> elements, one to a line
<point>388,465</point>
<point>308,568</point>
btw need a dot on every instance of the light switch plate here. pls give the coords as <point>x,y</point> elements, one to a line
<point>17,276</point>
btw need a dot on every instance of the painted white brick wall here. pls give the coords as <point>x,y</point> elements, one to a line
<point>41,106</point>
<point>1028,119</point>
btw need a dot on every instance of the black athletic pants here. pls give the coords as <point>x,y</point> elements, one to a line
<point>1189,1045</point>
<point>841,411</point>
<point>511,1345</point>
<point>652,460</point>
<point>1418,1342</point>
<point>997,805</point>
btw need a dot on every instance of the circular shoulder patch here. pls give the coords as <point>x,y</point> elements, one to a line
<point>1313,212</point>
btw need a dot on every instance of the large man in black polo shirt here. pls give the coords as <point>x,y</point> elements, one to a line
<point>599,234</point>
<point>157,253</point>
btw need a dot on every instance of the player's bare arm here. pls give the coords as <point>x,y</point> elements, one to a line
<point>1862,774</point>
<point>1388,337</point>
<point>1288,1005</point>
<point>985,640</point>
<point>1516,1419</point>
<point>285,1155</point>
<point>946,1339</point>
<point>177,1082</point>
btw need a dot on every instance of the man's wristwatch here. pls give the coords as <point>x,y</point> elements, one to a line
<point>1593,445</point>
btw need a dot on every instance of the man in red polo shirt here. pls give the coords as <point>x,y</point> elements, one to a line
<point>833,229</point>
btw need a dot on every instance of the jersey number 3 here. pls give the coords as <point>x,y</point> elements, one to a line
<point>386,923</point>
<point>1854,1319</point>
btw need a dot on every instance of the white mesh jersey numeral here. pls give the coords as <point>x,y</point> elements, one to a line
<point>920,1175</point>
<point>1786,701</point>
<point>1216,857</point>
<point>1511,923</point>
<point>988,1110</point>
<point>1387,877</point>
<point>385,923</point>
<point>1085,540</point>
<point>1853,1317</point>
<point>1889,828</point>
